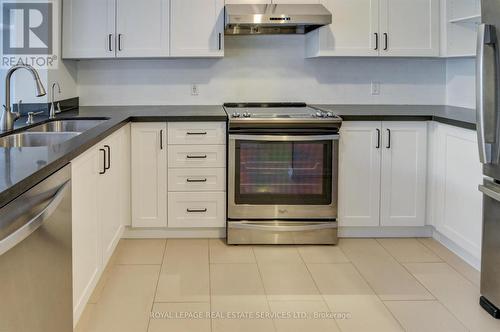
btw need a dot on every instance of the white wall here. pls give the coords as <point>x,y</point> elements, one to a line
<point>461,82</point>
<point>22,82</point>
<point>261,68</point>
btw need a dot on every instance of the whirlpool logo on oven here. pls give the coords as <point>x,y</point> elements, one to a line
<point>30,33</point>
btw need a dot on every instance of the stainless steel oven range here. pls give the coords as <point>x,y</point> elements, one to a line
<point>282,174</point>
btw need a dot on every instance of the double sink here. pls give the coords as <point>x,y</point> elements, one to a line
<point>49,133</point>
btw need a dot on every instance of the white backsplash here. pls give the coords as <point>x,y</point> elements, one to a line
<point>461,82</point>
<point>262,68</point>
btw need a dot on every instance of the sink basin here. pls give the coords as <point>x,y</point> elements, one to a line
<point>30,139</point>
<point>76,125</point>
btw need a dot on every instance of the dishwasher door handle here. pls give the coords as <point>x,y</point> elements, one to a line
<point>27,229</point>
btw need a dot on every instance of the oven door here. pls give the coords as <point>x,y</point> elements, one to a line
<point>282,177</point>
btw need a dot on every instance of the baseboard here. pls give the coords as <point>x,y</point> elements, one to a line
<point>422,231</point>
<point>470,259</point>
<point>164,233</point>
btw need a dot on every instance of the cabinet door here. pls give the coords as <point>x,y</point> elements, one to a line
<point>353,32</point>
<point>110,195</point>
<point>359,174</point>
<point>404,173</point>
<point>409,27</point>
<point>458,202</point>
<point>88,29</point>
<point>149,175</point>
<point>87,250</point>
<point>144,35</point>
<point>197,28</point>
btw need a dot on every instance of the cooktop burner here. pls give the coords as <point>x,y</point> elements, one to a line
<point>276,110</point>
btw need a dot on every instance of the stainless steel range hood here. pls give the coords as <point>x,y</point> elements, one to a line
<point>275,19</point>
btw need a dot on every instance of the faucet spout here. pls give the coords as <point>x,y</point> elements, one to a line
<point>8,117</point>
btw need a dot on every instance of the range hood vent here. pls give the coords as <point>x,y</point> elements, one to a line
<point>274,19</point>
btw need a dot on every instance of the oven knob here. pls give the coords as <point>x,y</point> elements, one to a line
<point>319,114</point>
<point>247,115</point>
<point>235,115</point>
<point>330,114</point>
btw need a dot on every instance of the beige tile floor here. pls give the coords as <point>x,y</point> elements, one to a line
<point>360,285</point>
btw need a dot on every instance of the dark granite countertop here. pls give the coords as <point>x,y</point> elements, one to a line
<point>22,168</point>
<point>455,116</point>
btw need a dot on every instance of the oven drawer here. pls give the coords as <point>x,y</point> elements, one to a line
<point>205,209</point>
<point>205,133</point>
<point>197,179</point>
<point>196,156</point>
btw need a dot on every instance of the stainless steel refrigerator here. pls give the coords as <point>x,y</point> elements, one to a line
<point>488,130</point>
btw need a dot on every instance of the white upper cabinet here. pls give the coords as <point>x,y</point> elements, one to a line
<point>144,35</point>
<point>404,173</point>
<point>409,27</point>
<point>88,29</point>
<point>359,174</point>
<point>197,28</point>
<point>377,28</point>
<point>353,32</point>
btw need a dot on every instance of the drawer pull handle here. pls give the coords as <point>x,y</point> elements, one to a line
<point>196,210</point>
<point>196,180</point>
<point>196,157</point>
<point>196,133</point>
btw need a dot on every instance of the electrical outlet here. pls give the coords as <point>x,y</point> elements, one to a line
<point>375,88</point>
<point>194,90</point>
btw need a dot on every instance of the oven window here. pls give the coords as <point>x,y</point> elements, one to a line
<point>284,173</point>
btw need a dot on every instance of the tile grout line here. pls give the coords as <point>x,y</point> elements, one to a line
<point>408,271</point>
<point>435,297</point>
<point>263,286</point>
<point>374,292</point>
<point>319,290</point>
<point>446,261</point>
<point>157,282</point>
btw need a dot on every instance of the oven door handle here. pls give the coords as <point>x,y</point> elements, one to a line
<point>284,138</point>
<point>309,226</point>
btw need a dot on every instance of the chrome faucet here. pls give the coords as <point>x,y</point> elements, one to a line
<point>8,116</point>
<point>52,110</point>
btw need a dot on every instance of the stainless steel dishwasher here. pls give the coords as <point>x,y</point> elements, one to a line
<point>36,258</point>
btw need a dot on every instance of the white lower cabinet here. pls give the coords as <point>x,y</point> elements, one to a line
<point>454,199</point>
<point>197,179</point>
<point>178,175</point>
<point>100,190</point>
<point>359,174</point>
<point>403,174</point>
<point>382,173</point>
<point>196,209</point>
<point>196,156</point>
<point>149,174</point>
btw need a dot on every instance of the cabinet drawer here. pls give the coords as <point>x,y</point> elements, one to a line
<point>196,156</point>
<point>197,133</point>
<point>197,179</point>
<point>205,209</point>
